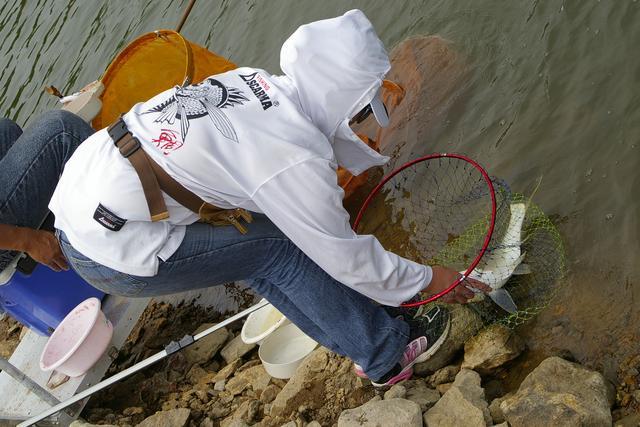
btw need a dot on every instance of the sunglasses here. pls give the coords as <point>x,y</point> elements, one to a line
<point>362,115</point>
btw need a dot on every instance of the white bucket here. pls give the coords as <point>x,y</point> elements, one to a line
<point>78,341</point>
<point>284,350</point>
<point>261,323</point>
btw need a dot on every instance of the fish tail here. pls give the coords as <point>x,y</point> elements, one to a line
<point>503,299</point>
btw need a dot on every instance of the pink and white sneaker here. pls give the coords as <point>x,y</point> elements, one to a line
<point>435,325</point>
<point>357,369</point>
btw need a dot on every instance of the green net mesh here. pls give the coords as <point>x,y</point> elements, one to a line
<point>435,218</point>
<point>545,256</point>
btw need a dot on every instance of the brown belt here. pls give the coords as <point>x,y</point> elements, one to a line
<point>155,180</point>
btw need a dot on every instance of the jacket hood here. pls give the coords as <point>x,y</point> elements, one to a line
<point>337,66</point>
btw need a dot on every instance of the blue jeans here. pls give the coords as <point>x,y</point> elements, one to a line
<point>30,165</point>
<point>336,316</point>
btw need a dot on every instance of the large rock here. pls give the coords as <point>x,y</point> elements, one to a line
<point>324,382</point>
<point>383,413</point>
<point>558,393</point>
<point>235,349</point>
<point>465,323</point>
<point>173,418</point>
<point>254,377</point>
<point>462,405</point>
<point>420,393</point>
<point>491,348</point>
<point>303,386</point>
<point>207,347</point>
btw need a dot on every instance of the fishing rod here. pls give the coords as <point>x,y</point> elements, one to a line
<point>171,348</point>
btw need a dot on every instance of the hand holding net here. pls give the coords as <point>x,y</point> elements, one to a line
<point>436,210</point>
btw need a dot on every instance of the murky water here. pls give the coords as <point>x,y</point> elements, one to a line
<point>545,88</point>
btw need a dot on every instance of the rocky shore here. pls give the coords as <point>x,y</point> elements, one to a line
<point>221,382</point>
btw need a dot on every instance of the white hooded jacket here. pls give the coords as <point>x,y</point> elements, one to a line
<point>269,144</point>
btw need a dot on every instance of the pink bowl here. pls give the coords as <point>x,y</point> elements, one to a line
<point>78,341</point>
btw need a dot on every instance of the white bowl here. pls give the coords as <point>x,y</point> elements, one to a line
<point>283,350</point>
<point>78,341</point>
<point>261,323</point>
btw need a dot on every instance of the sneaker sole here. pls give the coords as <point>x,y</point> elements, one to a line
<point>404,375</point>
<point>407,372</point>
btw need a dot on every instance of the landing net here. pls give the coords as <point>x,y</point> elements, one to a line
<point>440,214</point>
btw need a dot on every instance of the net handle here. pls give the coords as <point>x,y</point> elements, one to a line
<point>492,221</point>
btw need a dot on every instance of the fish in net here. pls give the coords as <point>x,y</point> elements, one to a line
<point>439,215</point>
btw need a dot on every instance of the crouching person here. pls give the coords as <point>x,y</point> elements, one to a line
<point>249,146</point>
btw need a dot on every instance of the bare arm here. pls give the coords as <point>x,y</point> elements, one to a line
<point>444,277</point>
<point>13,238</point>
<point>42,246</point>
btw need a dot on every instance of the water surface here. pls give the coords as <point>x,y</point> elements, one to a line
<point>551,89</point>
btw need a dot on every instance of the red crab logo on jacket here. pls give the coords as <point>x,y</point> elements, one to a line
<point>168,141</point>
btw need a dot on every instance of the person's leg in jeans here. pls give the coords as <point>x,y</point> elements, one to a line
<point>32,164</point>
<point>9,133</point>
<point>336,316</point>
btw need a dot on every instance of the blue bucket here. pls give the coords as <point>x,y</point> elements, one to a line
<point>43,298</point>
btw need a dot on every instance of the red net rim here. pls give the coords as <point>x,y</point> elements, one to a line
<point>492,220</point>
